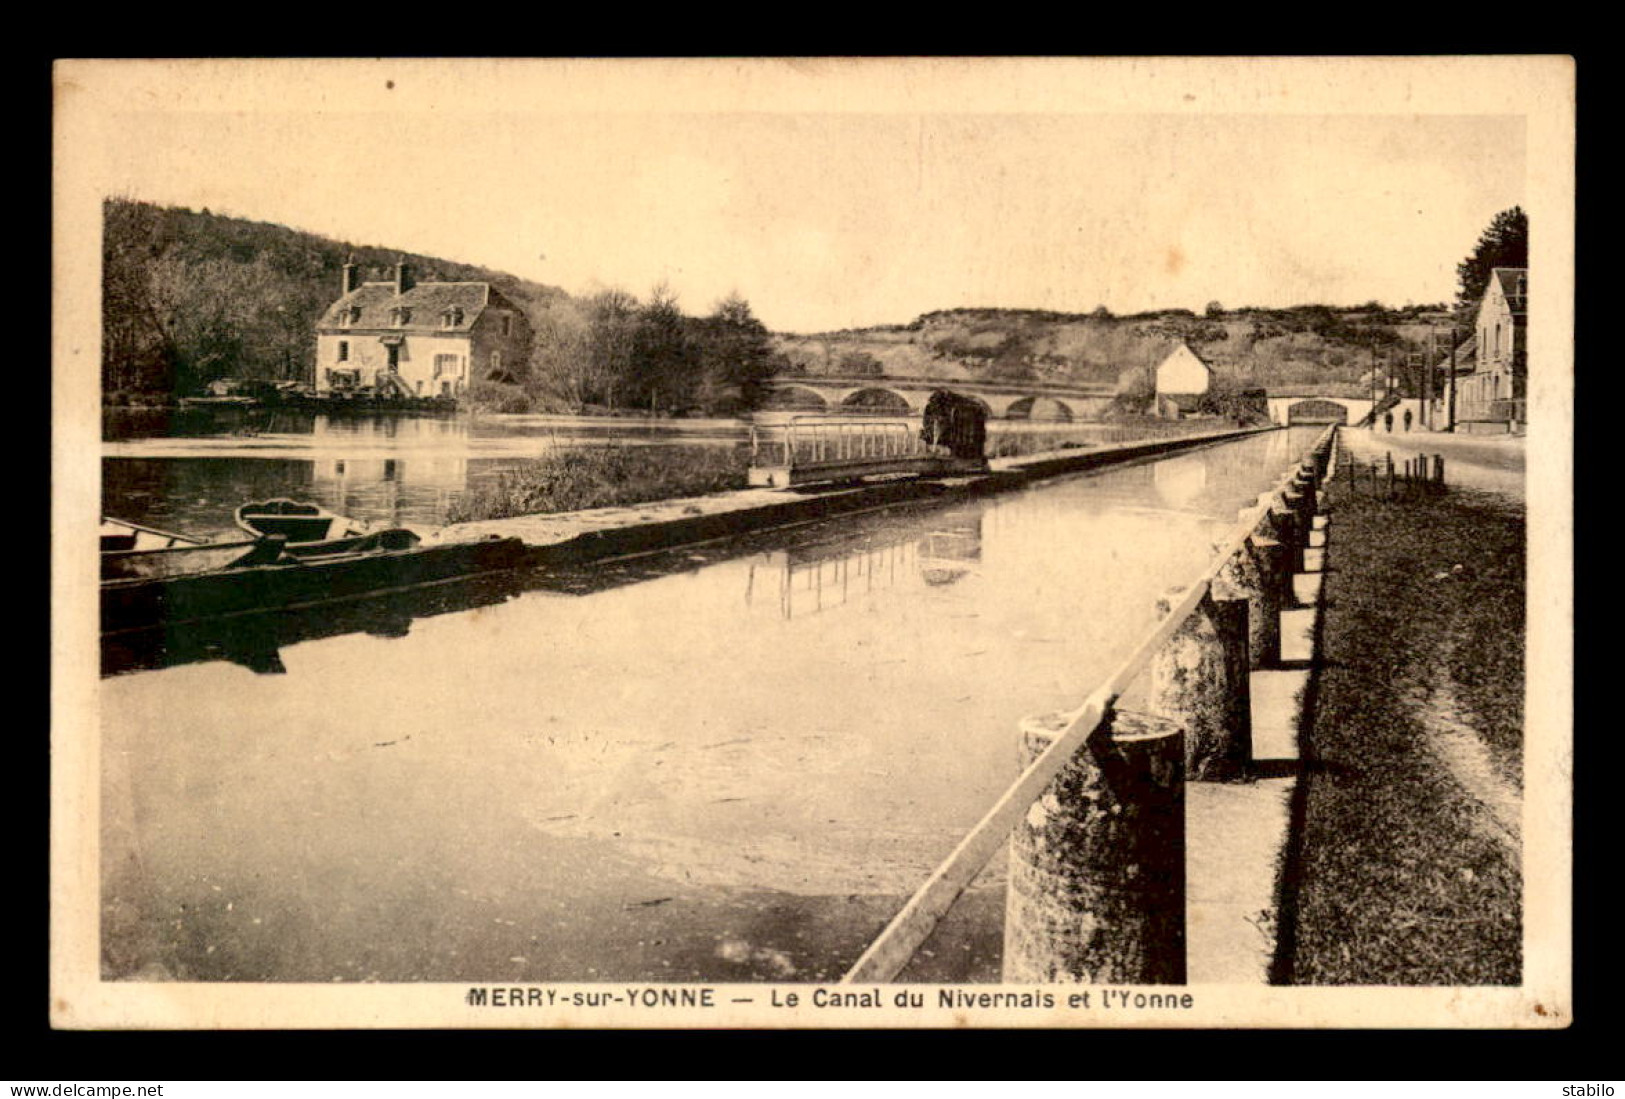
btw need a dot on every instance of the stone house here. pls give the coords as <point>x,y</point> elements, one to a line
<point>1182,379</point>
<point>1493,393</point>
<point>429,339</point>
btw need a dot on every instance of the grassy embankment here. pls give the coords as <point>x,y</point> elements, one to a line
<point>608,476</point>
<point>1407,866</point>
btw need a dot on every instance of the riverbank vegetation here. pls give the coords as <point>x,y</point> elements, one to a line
<point>193,297</point>
<point>189,298</point>
<point>606,476</point>
<point>1407,868</point>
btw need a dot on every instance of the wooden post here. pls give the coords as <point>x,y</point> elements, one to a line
<point>1254,574</point>
<point>1299,504</point>
<point>1305,485</point>
<point>1097,865</point>
<point>1282,522</point>
<point>1438,469</point>
<point>1200,679</point>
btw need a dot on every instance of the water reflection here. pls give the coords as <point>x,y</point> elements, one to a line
<point>692,766</point>
<point>401,470</point>
<point>1179,481</point>
<point>809,580</point>
<point>256,641</point>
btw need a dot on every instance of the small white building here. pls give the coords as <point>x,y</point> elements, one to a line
<point>1183,374</point>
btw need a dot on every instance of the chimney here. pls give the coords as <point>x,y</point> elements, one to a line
<point>403,276</point>
<point>352,275</point>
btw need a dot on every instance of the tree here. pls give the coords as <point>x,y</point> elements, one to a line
<point>1215,309</point>
<point>736,355</point>
<point>561,360</point>
<point>664,360</point>
<point>1504,244</point>
<point>612,327</point>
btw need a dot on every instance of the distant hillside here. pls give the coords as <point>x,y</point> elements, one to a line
<point>1311,348</point>
<point>189,297</point>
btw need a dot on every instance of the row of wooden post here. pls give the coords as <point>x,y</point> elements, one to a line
<point>1097,868</point>
<point>1423,472</point>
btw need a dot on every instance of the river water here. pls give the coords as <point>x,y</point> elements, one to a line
<point>731,762</point>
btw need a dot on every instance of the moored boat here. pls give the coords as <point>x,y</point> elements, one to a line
<point>133,551</point>
<point>294,582</point>
<point>311,531</point>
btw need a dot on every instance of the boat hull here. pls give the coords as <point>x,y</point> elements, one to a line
<point>184,560</point>
<point>167,602</point>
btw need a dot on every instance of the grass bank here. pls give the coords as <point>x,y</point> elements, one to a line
<point>1407,863</point>
<point>606,476</point>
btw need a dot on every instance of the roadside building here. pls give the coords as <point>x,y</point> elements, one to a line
<point>430,339</point>
<point>1459,362</point>
<point>1492,396</point>
<point>1182,379</point>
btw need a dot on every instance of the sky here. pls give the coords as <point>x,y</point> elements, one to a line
<point>829,208</point>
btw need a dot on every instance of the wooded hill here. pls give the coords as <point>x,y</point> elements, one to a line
<point>1307,349</point>
<point>190,297</point>
<point>193,297</point>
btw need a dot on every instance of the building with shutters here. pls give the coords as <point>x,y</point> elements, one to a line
<point>429,339</point>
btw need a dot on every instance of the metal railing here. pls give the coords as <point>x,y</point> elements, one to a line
<point>814,440</point>
<point>1016,438</point>
<point>892,950</point>
<point>811,439</point>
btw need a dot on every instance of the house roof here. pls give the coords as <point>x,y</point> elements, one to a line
<point>1466,356</point>
<point>1514,282</point>
<point>427,300</point>
<point>1187,349</point>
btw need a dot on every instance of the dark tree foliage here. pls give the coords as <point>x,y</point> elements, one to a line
<point>190,297</point>
<point>1504,244</point>
<point>665,359</point>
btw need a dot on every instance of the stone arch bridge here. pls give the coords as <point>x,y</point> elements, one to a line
<point>1286,408</point>
<point>1012,401</point>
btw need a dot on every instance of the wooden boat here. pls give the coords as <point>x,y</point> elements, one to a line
<point>312,531</point>
<point>295,582</point>
<point>132,551</point>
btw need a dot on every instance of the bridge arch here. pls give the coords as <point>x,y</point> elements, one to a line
<point>1315,410</point>
<point>1039,408</point>
<point>791,396</point>
<point>877,399</point>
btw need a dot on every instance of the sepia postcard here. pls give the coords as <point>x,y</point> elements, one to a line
<point>812,543</point>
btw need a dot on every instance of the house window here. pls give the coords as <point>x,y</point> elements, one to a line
<point>496,363</point>
<point>507,324</point>
<point>344,351</point>
<point>400,315</point>
<point>445,364</point>
<point>452,317</point>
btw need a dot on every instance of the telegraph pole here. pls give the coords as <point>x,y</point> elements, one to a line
<point>1371,349</point>
<point>1427,382</point>
<point>1450,403</point>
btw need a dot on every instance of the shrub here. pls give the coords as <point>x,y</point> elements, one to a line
<point>607,476</point>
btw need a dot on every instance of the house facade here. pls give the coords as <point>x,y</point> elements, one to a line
<point>1491,397</point>
<point>430,339</point>
<point>1183,374</point>
<point>1181,379</point>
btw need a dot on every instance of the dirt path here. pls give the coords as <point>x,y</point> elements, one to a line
<point>1487,463</point>
<point>1407,869</point>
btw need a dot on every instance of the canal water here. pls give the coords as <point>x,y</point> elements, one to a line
<point>189,474</point>
<point>732,762</point>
